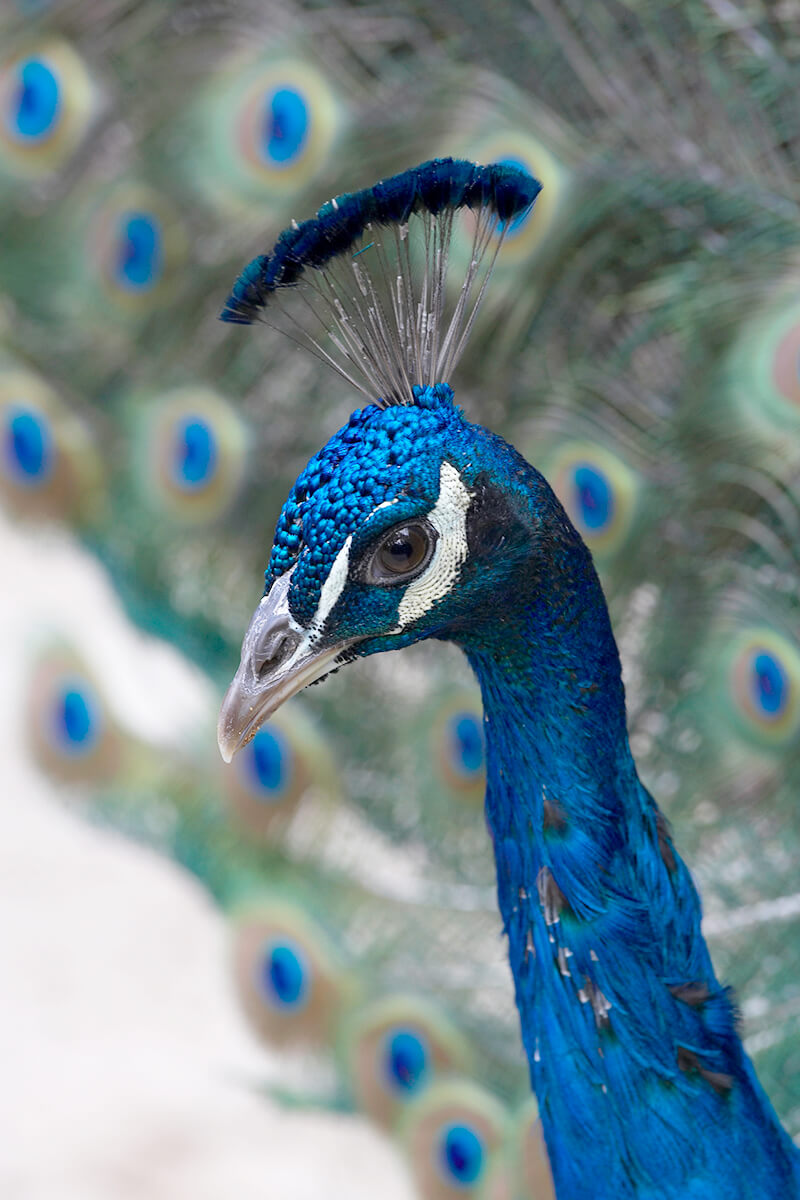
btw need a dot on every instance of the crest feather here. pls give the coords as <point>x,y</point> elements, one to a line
<point>373,266</point>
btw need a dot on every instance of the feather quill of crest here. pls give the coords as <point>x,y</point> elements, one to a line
<point>373,266</point>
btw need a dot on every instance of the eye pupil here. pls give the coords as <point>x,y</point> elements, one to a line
<point>400,550</point>
<point>404,550</point>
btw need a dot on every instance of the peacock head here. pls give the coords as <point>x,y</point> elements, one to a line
<point>411,523</point>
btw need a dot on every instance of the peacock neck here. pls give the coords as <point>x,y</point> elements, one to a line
<point>630,1039</point>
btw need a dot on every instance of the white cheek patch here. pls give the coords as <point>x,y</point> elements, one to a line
<point>332,588</point>
<point>449,519</point>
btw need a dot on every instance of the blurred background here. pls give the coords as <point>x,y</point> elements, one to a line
<point>287,976</point>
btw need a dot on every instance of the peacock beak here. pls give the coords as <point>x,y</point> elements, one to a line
<point>279,658</point>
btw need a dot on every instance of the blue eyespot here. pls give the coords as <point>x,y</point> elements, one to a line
<point>195,453</point>
<point>269,764</point>
<point>47,100</point>
<point>190,453</point>
<point>284,975</point>
<point>595,497</point>
<point>770,684</point>
<point>462,1154</point>
<point>75,719</point>
<point>457,744</point>
<point>140,251</point>
<point>406,1060</point>
<point>284,123</point>
<point>36,101</point>
<point>28,446</point>
<point>600,492</point>
<point>765,685</point>
<point>465,736</point>
<point>286,126</point>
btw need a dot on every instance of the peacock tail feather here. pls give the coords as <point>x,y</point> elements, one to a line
<point>51,465</point>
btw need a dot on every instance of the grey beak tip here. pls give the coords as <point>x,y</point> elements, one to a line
<point>228,733</point>
<point>226,750</point>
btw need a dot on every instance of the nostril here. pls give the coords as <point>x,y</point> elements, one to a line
<point>274,649</point>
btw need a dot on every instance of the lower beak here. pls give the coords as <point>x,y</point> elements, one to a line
<point>279,658</point>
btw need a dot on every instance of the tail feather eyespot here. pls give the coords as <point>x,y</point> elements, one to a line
<point>47,100</point>
<point>70,730</point>
<point>452,1133</point>
<point>396,1048</point>
<point>49,466</point>
<point>189,453</point>
<point>286,972</point>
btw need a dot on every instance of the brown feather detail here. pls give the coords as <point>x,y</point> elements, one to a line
<point>554,816</point>
<point>600,1006</point>
<point>664,842</point>
<point>551,897</point>
<point>694,994</point>
<point>719,1080</point>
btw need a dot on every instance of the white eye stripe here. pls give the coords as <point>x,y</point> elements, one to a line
<point>449,519</point>
<point>332,588</point>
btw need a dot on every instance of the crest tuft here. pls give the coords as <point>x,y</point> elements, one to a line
<point>373,266</point>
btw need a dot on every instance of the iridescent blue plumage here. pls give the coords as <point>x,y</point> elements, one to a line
<point>363,466</point>
<point>414,524</point>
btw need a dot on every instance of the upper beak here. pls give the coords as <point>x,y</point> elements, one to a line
<point>278,659</point>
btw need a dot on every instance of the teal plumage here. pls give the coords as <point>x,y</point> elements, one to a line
<point>630,350</point>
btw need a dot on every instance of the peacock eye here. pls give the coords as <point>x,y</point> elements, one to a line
<point>405,551</point>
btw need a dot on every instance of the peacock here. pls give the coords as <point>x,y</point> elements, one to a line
<point>638,344</point>
<point>412,523</point>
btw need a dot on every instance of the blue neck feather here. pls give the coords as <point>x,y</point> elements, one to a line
<point>643,1085</point>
